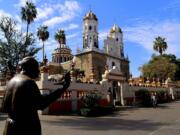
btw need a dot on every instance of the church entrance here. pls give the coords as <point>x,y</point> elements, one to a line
<point>116,93</point>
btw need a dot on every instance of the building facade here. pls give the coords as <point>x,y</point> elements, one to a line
<point>92,59</point>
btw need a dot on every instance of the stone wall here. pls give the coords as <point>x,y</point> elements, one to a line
<point>125,68</point>
<point>98,62</point>
<point>89,60</point>
<point>84,62</point>
<point>129,92</point>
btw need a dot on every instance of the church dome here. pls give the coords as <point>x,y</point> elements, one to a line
<point>90,15</point>
<point>116,29</point>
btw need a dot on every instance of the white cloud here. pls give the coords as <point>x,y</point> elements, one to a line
<point>3,13</point>
<point>70,6</point>
<point>145,34</point>
<point>65,12</point>
<point>72,35</point>
<point>103,34</point>
<point>57,19</point>
<point>173,5</point>
<point>44,12</point>
<point>71,27</point>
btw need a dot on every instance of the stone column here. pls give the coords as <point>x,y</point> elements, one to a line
<point>121,93</point>
<point>73,73</point>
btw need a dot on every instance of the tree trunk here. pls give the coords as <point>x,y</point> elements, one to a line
<point>43,51</point>
<point>27,30</point>
<point>27,27</point>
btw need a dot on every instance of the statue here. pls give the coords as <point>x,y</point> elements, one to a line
<point>22,100</point>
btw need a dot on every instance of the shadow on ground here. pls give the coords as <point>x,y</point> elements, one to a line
<point>105,123</point>
<point>111,122</point>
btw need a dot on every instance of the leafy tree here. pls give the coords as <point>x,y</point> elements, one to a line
<point>60,37</point>
<point>28,14</point>
<point>14,45</point>
<point>43,35</point>
<point>162,67</point>
<point>177,75</point>
<point>172,58</point>
<point>160,45</point>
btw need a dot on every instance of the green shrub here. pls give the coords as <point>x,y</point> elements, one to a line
<point>144,96</point>
<point>162,96</point>
<point>91,99</point>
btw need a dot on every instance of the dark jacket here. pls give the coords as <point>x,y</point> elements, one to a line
<point>21,101</point>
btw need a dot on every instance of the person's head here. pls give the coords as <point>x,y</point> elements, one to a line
<point>30,67</point>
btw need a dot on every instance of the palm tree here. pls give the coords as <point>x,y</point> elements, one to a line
<point>160,45</point>
<point>28,14</point>
<point>60,37</point>
<point>43,35</point>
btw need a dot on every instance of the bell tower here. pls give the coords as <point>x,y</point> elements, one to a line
<point>90,31</point>
<point>114,43</point>
<point>116,33</point>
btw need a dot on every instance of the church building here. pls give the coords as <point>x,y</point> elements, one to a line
<point>91,59</point>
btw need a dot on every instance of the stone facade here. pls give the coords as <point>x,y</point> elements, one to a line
<point>98,61</point>
<point>90,61</point>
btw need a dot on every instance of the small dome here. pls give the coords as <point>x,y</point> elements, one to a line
<point>63,49</point>
<point>90,15</point>
<point>116,29</point>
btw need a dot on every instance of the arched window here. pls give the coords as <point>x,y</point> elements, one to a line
<point>113,64</point>
<point>95,44</point>
<point>90,39</point>
<point>90,27</point>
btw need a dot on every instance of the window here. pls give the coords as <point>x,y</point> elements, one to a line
<point>90,39</point>
<point>113,64</point>
<point>90,27</point>
<point>95,44</point>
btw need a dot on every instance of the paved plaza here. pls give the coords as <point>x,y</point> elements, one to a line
<point>164,120</point>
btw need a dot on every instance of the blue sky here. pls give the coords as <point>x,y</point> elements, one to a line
<point>140,20</point>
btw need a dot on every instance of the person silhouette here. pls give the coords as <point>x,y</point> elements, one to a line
<point>22,100</point>
<point>153,99</point>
